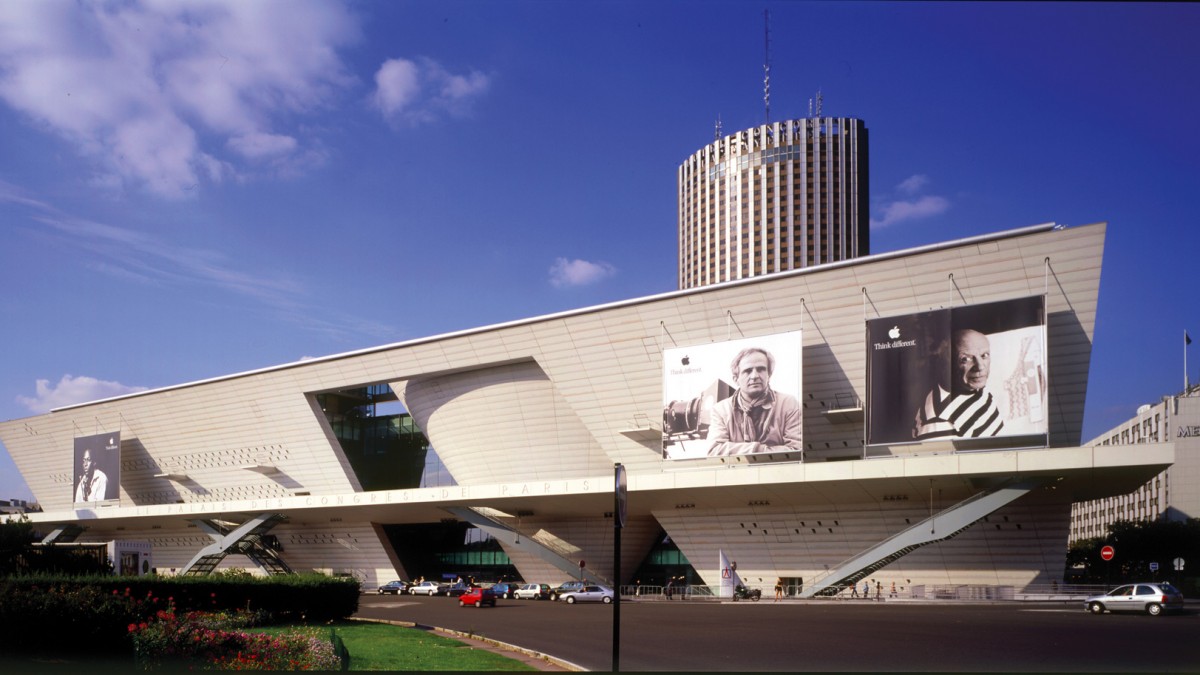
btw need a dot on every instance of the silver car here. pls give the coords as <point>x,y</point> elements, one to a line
<point>1151,598</point>
<point>589,594</point>
<point>429,588</point>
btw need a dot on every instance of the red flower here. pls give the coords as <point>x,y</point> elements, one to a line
<point>132,627</point>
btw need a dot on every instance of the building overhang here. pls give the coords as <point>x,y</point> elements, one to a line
<point>1079,473</point>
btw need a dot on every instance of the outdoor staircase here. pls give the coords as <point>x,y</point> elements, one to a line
<point>246,539</point>
<point>939,527</point>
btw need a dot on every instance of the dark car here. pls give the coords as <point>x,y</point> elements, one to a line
<point>566,587</point>
<point>505,589</point>
<point>394,587</point>
<point>1152,598</point>
<point>477,597</point>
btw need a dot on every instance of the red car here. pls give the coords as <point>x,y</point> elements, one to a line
<point>477,597</point>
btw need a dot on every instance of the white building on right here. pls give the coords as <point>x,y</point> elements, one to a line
<point>1173,494</point>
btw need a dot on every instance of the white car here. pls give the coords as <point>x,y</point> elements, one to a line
<point>532,592</point>
<point>428,588</point>
<point>589,594</point>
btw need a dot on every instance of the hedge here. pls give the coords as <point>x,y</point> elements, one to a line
<point>91,614</point>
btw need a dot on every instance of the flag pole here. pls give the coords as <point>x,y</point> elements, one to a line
<point>1187,340</point>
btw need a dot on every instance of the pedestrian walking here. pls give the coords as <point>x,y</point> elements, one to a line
<point>854,590</point>
<point>778,589</point>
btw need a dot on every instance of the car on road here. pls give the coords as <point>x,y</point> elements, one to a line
<point>505,589</point>
<point>589,594</point>
<point>396,587</point>
<point>1152,598</point>
<point>532,592</point>
<point>428,588</point>
<point>566,587</point>
<point>477,597</point>
<point>456,589</point>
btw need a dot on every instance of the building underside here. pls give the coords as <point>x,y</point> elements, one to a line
<point>530,417</point>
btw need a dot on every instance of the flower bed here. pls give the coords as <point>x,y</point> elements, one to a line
<point>210,640</point>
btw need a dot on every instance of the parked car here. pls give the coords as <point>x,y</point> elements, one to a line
<point>428,588</point>
<point>394,587</point>
<point>505,589</point>
<point>566,587</point>
<point>477,597</point>
<point>589,594</point>
<point>456,589</point>
<point>1151,598</point>
<point>532,592</point>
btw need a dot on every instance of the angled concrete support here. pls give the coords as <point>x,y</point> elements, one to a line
<point>939,527</point>
<point>63,534</point>
<point>511,537</point>
<point>245,539</point>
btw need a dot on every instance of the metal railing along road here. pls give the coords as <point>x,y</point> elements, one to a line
<point>848,592</point>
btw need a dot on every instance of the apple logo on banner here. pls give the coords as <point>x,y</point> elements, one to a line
<point>685,360</point>
<point>894,333</point>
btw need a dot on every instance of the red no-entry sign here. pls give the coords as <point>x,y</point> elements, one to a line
<point>1107,552</point>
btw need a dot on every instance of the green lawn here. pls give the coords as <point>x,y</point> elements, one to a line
<point>372,646</point>
<point>377,646</point>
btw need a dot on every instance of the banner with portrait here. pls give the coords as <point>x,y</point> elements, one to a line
<point>961,374</point>
<point>97,468</point>
<point>738,397</point>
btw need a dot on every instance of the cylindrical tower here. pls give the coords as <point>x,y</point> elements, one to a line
<point>777,197</point>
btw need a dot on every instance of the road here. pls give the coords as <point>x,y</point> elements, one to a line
<point>821,635</point>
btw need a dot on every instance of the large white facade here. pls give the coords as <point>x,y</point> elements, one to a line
<point>530,417</point>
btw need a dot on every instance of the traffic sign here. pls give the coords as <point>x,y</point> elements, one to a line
<point>1107,553</point>
<point>1153,567</point>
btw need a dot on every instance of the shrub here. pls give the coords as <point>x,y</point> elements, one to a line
<point>37,618</point>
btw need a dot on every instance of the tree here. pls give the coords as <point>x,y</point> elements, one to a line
<point>1137,544</point>
<point>16,536</point>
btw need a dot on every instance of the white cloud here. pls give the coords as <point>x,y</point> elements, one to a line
<point>397,84</point>
<point>578,272</point>
<point>154,92</point>
<point>910,206</point>
<point>257,145</point>
<point>421,91</point>
<point>71,390</point>
<point>913,184</point>
<point>901,211</point>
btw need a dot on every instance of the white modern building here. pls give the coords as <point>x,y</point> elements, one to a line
<point>530,417</point>
<point>1173,494</point>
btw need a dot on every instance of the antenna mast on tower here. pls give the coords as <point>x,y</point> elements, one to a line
<point>767,63</point>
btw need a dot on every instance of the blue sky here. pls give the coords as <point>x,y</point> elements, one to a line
<point>192,189</point>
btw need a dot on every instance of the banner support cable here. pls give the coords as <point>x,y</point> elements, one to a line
<point>662,330</point>
<point>1046,281</point>
<point>951,289</point>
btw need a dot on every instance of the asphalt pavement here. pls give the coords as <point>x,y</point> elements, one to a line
<point>843,636</point>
